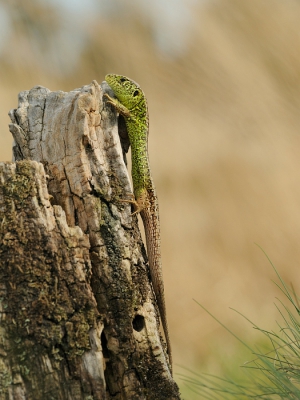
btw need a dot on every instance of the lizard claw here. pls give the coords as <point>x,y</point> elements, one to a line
<point>117,105</point>
<point>109,100</point>
<point>133,202</point>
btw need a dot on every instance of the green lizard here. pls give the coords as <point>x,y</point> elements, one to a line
<point>132,104</point>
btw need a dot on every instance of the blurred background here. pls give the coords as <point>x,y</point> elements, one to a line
<point>222,78</point>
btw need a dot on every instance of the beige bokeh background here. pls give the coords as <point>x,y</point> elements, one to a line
<point>224,146</point>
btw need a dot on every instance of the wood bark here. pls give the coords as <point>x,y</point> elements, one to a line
<point>78,318</point>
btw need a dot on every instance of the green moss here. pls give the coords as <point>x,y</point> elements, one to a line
<point>5,375</point>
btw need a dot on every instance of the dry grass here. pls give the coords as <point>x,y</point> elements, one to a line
<point>225,143</point>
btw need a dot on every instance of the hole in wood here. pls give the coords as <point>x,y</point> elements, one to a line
<point>104,345</point>
<point>138,323</point>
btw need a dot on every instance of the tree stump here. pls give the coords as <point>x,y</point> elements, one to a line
<point>78,314</point>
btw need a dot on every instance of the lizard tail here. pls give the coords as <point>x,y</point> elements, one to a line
<point>150,217</point>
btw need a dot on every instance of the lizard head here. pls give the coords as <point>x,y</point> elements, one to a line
<point>126,90</point>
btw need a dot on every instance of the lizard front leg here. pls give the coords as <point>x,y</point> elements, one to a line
<point>117,105</point>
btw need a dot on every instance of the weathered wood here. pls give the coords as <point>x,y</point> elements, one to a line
<point>78,317</point>
<point>50,327</point>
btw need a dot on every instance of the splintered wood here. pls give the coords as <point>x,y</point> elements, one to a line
<point>78,315</point>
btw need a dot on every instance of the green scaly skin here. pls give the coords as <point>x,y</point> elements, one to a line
<point>131,102</point>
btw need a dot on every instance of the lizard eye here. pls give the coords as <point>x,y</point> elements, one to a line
<point>136,92</point>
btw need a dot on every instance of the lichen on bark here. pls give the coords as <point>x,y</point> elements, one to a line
<point>78,315</point>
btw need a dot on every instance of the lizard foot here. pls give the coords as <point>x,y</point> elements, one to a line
<point>117,105</point>
<point>132,201</point>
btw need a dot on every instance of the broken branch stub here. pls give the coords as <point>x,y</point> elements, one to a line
<point>94,286</point>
